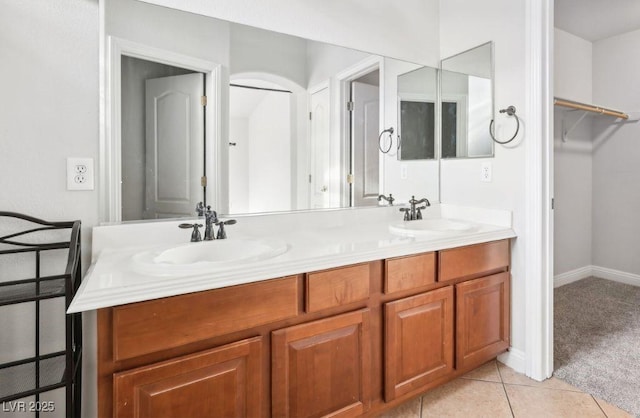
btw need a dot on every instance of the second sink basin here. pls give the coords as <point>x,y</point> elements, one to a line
<point>201,257</point>
<point>436,226</point>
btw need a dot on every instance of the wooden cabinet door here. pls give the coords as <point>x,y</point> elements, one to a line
<point>322,368</point>
<point>418,341</point>
<point>482,317</point>
<point>221,382</point>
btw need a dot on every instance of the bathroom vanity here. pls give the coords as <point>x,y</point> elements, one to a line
<point>332,337</point>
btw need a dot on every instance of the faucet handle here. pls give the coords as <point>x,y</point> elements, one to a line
<point>406,213</point>
<point>222,234</point>
<point>195,235</point>
<point>418,213</point>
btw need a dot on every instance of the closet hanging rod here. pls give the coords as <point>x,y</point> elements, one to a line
<point>590,108</point>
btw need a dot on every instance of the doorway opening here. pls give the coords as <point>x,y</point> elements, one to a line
<point>204,100</point>
<point>260,146</point>
<point>364,165</point>
<point>162,139</point>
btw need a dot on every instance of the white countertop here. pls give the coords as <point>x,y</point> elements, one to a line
<point>315,241</point>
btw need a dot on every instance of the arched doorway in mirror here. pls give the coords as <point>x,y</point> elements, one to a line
<point>266,142</point>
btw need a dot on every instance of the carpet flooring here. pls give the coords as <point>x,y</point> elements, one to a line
<point>597,340</point>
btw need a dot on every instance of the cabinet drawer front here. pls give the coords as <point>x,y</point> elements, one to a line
<point>337,287</point>
<point>473,260</point>
<point>409,272</point>
<point>157,325</point>
<point>224,381</point>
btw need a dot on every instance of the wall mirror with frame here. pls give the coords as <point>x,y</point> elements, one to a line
<point>467,103</point>
<point>289,123</point>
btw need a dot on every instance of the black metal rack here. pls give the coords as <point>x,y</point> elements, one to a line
<point>43,371</point>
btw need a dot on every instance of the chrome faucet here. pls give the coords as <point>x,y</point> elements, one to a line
<point>414,212</point>
<point>389,199</point>
<point>211,219</point>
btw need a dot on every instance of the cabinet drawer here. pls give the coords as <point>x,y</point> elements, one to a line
<point>156,325</point>
<point>403,273</point>
<point>337,287</point>
<point>473,260</point>
<point>221,382</point>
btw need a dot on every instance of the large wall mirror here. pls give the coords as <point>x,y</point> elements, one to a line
<point>467,103</point>
<point>288,124</point>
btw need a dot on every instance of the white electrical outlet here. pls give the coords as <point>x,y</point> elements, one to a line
<point>486,172</point>
<point>403,171</point>
<point>80,173</point>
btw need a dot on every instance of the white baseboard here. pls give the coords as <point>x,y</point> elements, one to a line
<point>597,271</point>
<point>616,275</point>
<point>514,358</point>
<point>572,276</point>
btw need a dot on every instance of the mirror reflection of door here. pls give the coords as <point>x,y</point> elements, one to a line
<point>365,117</point>
<point>260,134</point>
<point>320,160</point>
<point>162,140</point>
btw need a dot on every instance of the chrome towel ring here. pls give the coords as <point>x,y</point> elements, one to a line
<point>511,111</point>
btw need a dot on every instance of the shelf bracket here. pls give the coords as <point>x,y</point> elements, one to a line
<point>565,131</point>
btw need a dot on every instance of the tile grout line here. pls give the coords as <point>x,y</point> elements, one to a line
<point>598,403</point>
<point>505,390</point>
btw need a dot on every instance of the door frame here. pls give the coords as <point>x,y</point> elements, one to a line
<point>316,88</point>
<point>343,80</point>
<point>539,185</point>
<point>110,173</point>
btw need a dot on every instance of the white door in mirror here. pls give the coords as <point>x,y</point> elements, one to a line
<point>80,173</point>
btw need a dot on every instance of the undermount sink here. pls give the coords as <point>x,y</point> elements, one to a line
<point>436,227</point>
<point>201,257</point>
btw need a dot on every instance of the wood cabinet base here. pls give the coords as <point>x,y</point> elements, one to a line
<point>350,341</point>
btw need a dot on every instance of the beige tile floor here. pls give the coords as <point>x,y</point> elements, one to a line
<point>494,390</point>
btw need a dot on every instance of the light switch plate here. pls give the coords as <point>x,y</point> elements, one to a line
<point>80,173</point>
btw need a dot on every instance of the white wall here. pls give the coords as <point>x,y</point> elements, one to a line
<point>258,50</point>
<point>49,106</point>
<point>616,172</point>
<point>325,61</point>
<point>269,167</point>
<point>409,32</point>
<point>573,158</point>
<point>48,112</point>
<point>463,25</point>
<point>572,67</point>
<point>239,165</point>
